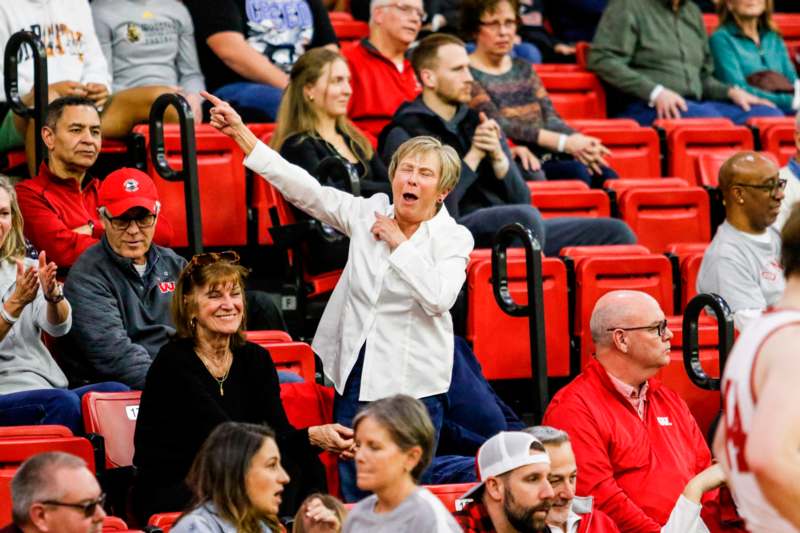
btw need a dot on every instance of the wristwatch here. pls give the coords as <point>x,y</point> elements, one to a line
<point>59,294</point>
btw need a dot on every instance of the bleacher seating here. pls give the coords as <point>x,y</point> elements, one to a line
<point>661,216</point>
<point>574,94</point>
<point>163,521</point>
<point>635,150</point>
<point>507,356</point>
<point>266,337</point>
<point>293,356</point>
<point>778,139</point>
<point>708,165</point>
<point>112,415</point>
<point>571,203</point>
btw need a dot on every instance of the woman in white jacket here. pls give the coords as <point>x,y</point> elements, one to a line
<point>387,327</point>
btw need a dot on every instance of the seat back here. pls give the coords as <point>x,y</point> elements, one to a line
<point>14,451</point>
<point>571,203</point>
<point>349,30</point>
<point>293,356</point>
<point>624,184</point>
<point>6,475</point>
<point>265,337</point>
<point>685,145</point>
<point>690,268</point>
<point>595,276</point>
<point>163,521</point>
<point>557,185</point>
<point>778,140</point>
<point>309,404</point>
<point>507,356</point>
<point>660,217</point>
<point>635,152</point>
<point>574,94</point>
<point>113,415</point>
<point>448,494</point>
<point>44,430</point>
<point>114,523</point>
<point>709,164</point>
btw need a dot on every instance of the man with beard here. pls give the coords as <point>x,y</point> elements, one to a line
<point>637,445</point>
<point>742,263</point>
<point>514,494</point>
<point>491,192</point>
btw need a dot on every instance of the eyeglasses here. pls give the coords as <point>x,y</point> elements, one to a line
<point>88,508</point>
<point>209,258</point>
<point>771,186</point>
<point>123,223</point>
<point>497,25</point>
<point>408,10</point>
<point>661,328</point>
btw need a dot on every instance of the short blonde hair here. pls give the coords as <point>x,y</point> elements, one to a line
<point>449,162</point>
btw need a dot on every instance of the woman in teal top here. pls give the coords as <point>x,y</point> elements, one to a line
<point>746,42</point>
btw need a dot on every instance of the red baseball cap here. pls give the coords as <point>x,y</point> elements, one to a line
<point>127,188</point>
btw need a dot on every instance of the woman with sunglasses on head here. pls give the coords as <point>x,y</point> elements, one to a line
<point>387,328</point>
<point>209,374</point>
<point>314,132</point>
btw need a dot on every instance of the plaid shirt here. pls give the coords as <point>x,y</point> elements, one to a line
<point>473,518</point>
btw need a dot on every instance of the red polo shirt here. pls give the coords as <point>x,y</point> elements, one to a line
<point>53,207</point>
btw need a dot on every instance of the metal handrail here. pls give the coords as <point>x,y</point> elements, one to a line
<point>188,175</point>
<point>691,345</point>
<point>535,308</point>
<point>13,53</point>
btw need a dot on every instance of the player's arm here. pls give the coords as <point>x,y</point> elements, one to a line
<point>773,445</point>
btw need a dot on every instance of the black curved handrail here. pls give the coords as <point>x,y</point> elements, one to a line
<point>188,175</point>
<point>535,308</point>
<point>691,346</point>
<point>13,53</point>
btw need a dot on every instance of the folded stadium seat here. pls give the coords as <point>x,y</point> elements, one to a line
<point>112,415</point>
<point>222,182</point>
<point>14,451</point>
<point>602,123</point>
<point>557,185</point>
<point>6,474</point>
<point>623,184</point>
<point>608,269</point>
<point>114,523</point>
<point>349,30</point>
<point>163,521</point>
<point>778,139</point>
<point>13,159</point>
<point>293,356</point>
<point>789,26</point>
<point>265,337</point>
<point>449,494</point>
<point>708,165</point>
<point>760,125</point>
<point>686,143</point>
<point>660,217</point>
<point>508,356</point>
<point>635,151</point>
<point>582,49</point>
<point>574,94</point>
<point>703,404</point>
<point>571,203</point>
<point>44,430</point>
<point>309,404</point>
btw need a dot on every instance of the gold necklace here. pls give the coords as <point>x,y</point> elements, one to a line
<point>220,381</point>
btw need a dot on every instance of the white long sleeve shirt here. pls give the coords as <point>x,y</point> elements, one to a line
<point>67,32</point>
<point>397,302</point>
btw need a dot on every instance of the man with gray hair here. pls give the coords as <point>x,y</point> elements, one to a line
<point>630,433</point>
<point>54,492</point>
<point>791,173</point>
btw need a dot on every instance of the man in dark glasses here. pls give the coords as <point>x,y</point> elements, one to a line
<point>636,442</point>
<point>742,263</point>
<point>54,492</point>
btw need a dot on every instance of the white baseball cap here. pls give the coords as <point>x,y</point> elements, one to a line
<point>506,451</point>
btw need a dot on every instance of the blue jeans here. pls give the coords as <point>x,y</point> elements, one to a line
<point>256,102</point>
<point>553,234</point>
<point>50,406</point>
<point>345,408</point>
<point>571,169</point>
<point>642,113</point>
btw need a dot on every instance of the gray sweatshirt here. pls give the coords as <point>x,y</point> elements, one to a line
<point>148,42</point>
<point>25,363</point>
<point>421,511</point>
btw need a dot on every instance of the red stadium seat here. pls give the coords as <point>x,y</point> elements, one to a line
<point>265,337</point>
<point>572,203</point>
<point>603,123</point>
<point>559,67</point>
<point>621,185</point>
<point>6,474</point>
<point>635,152</point>
<point>293,356</point>
<point>508,356</point>
<point>578,252</point>
<point>595,276</point>
<point>686,144</point>
<point>13,159</point>
<point>14,451</point>
<point>660,217</point>
<point>575,94</point>
<point>163,521</point>
<point>778,140</point>
<point>708,165</point>
<point>557,185</point>
<point>671,124</point>
<point>112,415</point>
<point>703,404</point>
<point>308,404</point>
<point>690,268</point>
<point>114,523</point>
<point>44,430</point>
<point>448,494</point>
<point>582,49</point>
<point>349,30</point>
<point>789,25</point>
<point>222,182</point>
<point>710,21</point>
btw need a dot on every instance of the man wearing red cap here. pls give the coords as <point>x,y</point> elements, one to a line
<point>59,205</point>
<point>514,494</point>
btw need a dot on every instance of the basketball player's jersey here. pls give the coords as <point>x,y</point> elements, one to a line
<point>737,417</point>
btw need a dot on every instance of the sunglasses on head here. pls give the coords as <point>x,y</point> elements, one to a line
<point>88,508</point>
<point>209,258</point>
